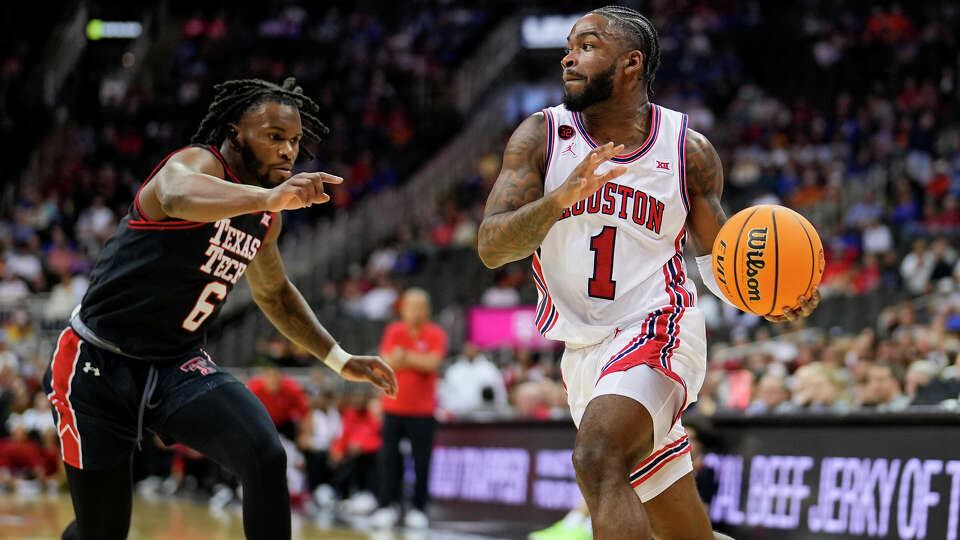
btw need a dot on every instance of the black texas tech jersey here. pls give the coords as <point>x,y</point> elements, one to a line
<point>158,284</point>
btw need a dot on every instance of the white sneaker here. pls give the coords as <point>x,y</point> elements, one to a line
<point>361,503</point>
<point>384,518</point>
<point>415,519</point>
<point>169,486</point>
<point>148,486</point>
<point>324,496</point>
<point>221,496</point>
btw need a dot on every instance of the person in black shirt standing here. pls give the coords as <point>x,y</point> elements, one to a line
<point>133,356</point>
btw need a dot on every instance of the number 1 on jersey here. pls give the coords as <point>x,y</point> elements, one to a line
<point>602,285</point>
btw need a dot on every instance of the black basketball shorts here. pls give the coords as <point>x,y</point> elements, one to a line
<point>96,397</point>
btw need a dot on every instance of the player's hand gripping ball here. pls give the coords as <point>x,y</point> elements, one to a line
<point>768,259</point>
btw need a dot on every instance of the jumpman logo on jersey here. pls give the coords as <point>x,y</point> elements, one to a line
<point>89,367</point>
<point>569,149</point>
<point>265,220</point>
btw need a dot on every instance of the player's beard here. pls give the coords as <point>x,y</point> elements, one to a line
<point>254,166</point>
<point>595,90</point>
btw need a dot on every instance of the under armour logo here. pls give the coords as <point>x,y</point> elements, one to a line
<point>665,165</point>
<point>265,220</point>
<point>89,367</point>
<point>569,149</point>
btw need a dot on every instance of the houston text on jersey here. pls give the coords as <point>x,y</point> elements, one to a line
<point>624,202</point>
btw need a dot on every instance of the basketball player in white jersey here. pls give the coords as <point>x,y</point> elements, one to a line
<point>601,191</point>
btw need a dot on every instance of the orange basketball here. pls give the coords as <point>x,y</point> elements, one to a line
<point>765,257</point>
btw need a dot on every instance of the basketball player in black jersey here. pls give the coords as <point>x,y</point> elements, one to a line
<point>133,358</point>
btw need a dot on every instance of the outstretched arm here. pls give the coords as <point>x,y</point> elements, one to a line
<point>518,214</point>
<point>190,186</point>
<point>706,217</point>
<point>289,312</point>
<point>704,186</point>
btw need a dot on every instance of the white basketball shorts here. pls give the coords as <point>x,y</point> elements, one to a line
<point>660,363</point>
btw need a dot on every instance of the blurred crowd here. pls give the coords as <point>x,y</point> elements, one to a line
<point>389,106</point>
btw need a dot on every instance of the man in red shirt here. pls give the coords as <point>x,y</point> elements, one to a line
<point>414,347</point>
<point>283,398</point>
<point>354,452</point>
<point>20,458</point>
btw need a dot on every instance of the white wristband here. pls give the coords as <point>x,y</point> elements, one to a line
<point>705,264</point>
<point>336,358</point>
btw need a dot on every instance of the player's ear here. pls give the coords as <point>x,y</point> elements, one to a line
<point>233,134</point>
<point>634,66</point>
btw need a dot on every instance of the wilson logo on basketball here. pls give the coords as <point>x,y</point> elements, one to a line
<point>565,132</point>
<point>754,273</point>
<point>757,242</point>
<point>721,257</point>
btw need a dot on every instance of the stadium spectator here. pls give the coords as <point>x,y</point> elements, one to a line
<point>883,389</point>
<point>771,396</point>
<point>20,459</point>
<point>817,388</point>
<point>925,387</point>
<point>467,380</point>
<point>12,288</point>
<point>65,295</point>
<point>353,453</point>
<point>503,293</point>
<point>282,396</point>
<point>917,267</point>
<point>317,431</point>
<point>415,348</point>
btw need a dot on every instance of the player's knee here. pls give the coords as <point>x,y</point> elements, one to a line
<point>598,453</point>
<point>273,458</point>
<point>592,458</point>
<point>265,457</point>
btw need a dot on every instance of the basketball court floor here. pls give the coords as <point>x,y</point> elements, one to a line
<point>43,517</point>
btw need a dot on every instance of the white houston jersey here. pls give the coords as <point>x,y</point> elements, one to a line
<point>616,257</point>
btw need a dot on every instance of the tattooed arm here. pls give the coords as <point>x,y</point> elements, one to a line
<point>289,312</point>
<point>706,217</point>
<point>518,214</point>
<point>704,186</point>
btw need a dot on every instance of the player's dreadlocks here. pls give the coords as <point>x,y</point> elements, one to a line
<point>640,34</point>
<point>233,98</point>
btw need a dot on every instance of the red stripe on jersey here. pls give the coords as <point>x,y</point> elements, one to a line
<point>550,123</point>
<point>64,368</point>
<point>164,225</point>
<point>644,478</point>
<point>136,198</point>
<point>548,309</point>
<point>232,177</point>
<point>654,455</point>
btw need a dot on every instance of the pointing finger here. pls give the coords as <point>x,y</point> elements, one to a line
<point>330,178</point>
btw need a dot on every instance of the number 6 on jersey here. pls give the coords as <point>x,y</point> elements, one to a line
<point>204,308</point>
